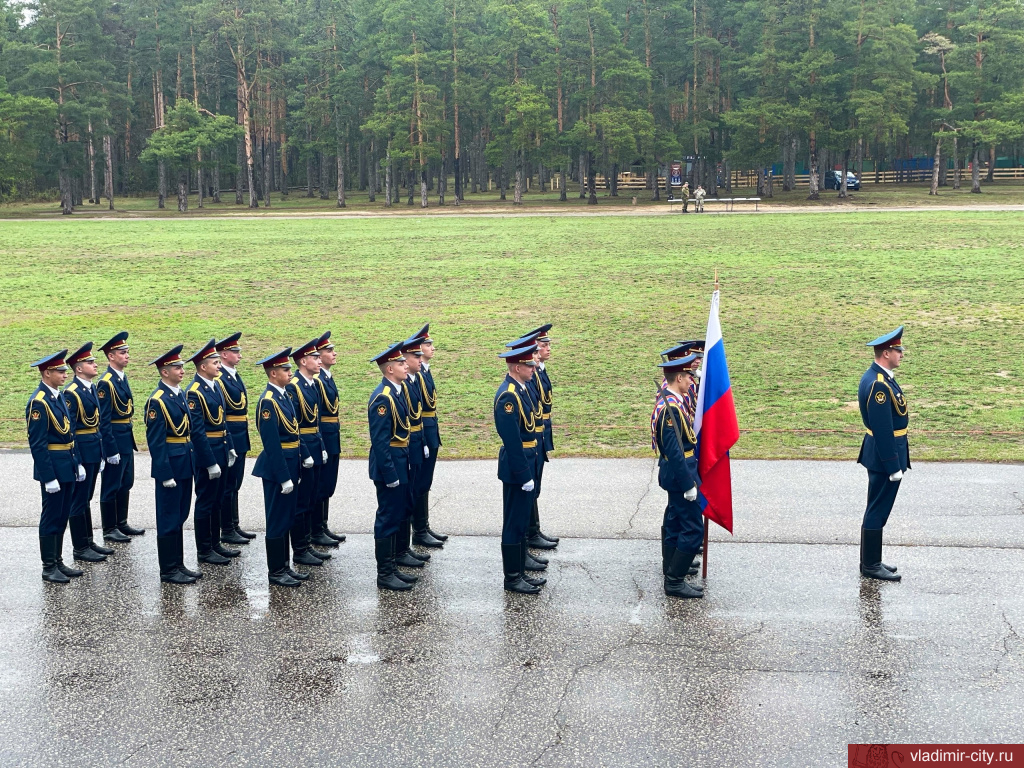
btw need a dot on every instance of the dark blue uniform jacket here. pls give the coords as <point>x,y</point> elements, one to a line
<point>883,409</point>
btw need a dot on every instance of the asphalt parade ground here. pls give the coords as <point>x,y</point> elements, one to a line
<point>788,658</point>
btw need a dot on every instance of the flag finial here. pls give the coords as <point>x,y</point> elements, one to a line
<point>716,278</point>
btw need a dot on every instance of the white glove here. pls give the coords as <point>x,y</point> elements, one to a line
<point>172,483</point>
<point>103,465</point>
<point>528,486</point>
<point>214,471</point>
<point>52,487</point>
<point>324,458</point>
<point>307,462</point>
<point>393,485</point>
<point>232,457</point>
<point>114,460</point>
<point>691,495</point>
<point>426,452</point>
<point>896,476</point>
<point>81,474</point>
<point>287,487</point>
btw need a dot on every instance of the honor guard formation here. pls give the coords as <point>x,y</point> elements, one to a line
<point>198,438</point>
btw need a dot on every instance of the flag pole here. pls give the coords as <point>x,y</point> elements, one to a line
<point>707,524</point>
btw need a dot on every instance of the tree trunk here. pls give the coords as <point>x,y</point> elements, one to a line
<point>615,180</point>
<point>94,196</point>
<point>935,166</point>
<point>591,180</point>
<point>240,164</point>
<point>183,192</point>
<point>813,171</point>
<point>387,177</point>
<point>199,186</point>
<point>216,180</point>
<point>423,186</point>
<point>161,192</point>
<point>373,168</point>
<point>789,164</point>
<point>728,177</point>
<point>325,176</point>
<point>517,194</point>
<point>562,192</point>
<point>843,190</point>
<point>108,171</point>
<point>341,180</point>
<point>989,177</point>
<point>976,171</point>
<point>583,175</point>
<point>956,162</point>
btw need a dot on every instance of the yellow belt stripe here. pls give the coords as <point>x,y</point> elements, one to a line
<point>329,419</point>
<point>87,431</point>
<point>215,434</point>
<point>429,414</point>
<point>287,446</point>
<point>687,454</point>
<point>120,421</point>
<point>308,430</point>
<point>400,443</point>
<point>530,444</point>
<point>896,433</point>
<point>237,418</point>
<point>61,446</point>
<point>179,440</point>
<point>416,428</point>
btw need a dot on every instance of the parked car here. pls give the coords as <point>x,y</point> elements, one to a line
<point>834,180</point>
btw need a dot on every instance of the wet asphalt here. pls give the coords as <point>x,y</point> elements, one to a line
<point>789,657</point>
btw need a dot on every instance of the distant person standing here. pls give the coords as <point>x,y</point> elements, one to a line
<point>236,420</point>
<point>684,195</point>
<point>422,534</point>
<point>884,452</point>
<point>330,431</point>
<point>698,198</point>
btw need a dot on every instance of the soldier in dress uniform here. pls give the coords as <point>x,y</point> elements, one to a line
<point>305,396</point>
<point>55,463</point>
<point>673,438</point>
<point>278,465</point>
<point>518,460</point>
<point>885,451</point>
<point>84,410</point>
<point>389,464</point>
<point>117,408</point>
<point>542,386</point>
<point>422,535</point>
<point>169,436</point>
<point>330,431</point>
<point>214,454</point>
<point>412,399</point>
<point>236,408</point>
<point>679,351</point>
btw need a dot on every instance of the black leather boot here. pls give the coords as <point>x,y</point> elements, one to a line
<point>179,553</point>
<point>234,519</point>
<point>48,552</point>
<point>511,562</point>
<point>384,553</point>
<point>312,519</point>
<point>535,520</point>
<point>666,552</point>
<point>286,550</point>
<point>442,537</point>
<point>301,551</point>
<point>108,516</point>
<point>320,537</point>
<point>122,515</point>
<point>404,556</point>
<point>277,564</point>
<point>92,542</point>
<point>535,581</point>
<point>421,535</point>
<point>338,537</point>
<point>67,570</point>
<point>215,539</point>
<point>675,579</point>
<point>871,556</point>
<point>204,543</point>
<point>167,555</point>
<point>80,548</point>
<point>229,521</point>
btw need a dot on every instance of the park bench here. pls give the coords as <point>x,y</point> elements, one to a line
<point>729,202</point>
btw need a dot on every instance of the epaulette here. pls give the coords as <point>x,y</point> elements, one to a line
<point>157,395</point>
<point>511,388</point>
<point>106,376</point>
<point>39,395</point>
<point>881,377</point>
<point>71,387</point>
<point>386,391</point>
<point>268,396</point>
<point>194,387</point>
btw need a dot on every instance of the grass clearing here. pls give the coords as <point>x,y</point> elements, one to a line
<point>801,294</point>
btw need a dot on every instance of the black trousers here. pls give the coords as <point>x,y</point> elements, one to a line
<point>56,509</point>
<point>517,506</point>
<point>881,496</point>
<point>84,490</point>
<point>209,494</point>
<point>172,506</point>
<point>684,523</point>
<point>279,508</point>
<point>328,481</point>
<point>119,477</point>
<point>392,509</point>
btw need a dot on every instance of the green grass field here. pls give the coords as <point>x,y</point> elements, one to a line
<point>801,294</point>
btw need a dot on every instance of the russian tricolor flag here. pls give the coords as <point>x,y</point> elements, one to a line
<point>716,426</point>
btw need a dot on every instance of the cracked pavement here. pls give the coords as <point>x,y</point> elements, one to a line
<point>789,657</point>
